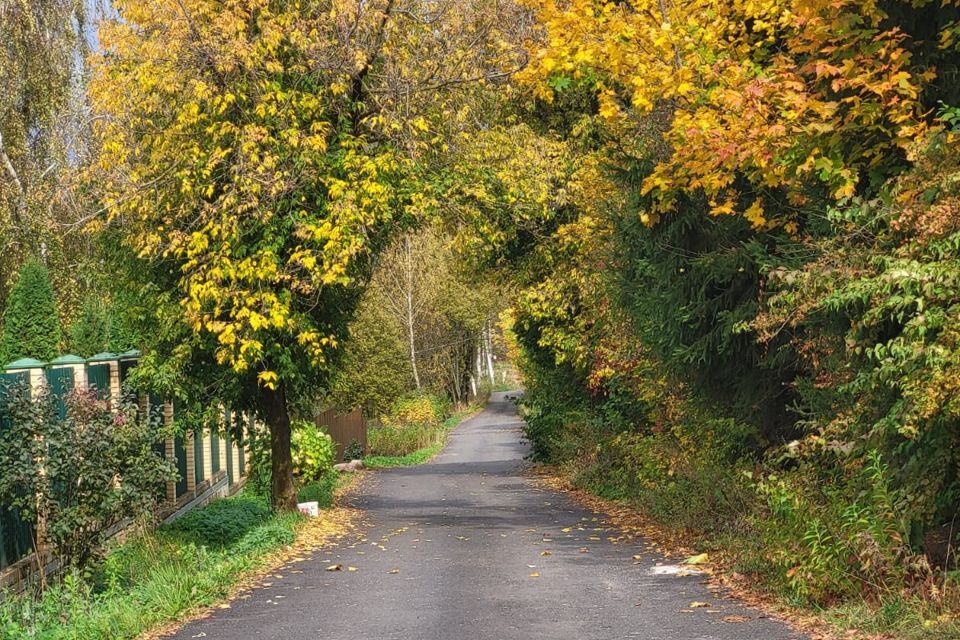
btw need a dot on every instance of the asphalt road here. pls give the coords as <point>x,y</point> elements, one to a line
<point>466,547</point>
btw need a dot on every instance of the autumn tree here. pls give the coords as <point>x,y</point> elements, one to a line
<point>256,157</point>
<point>43,137</point>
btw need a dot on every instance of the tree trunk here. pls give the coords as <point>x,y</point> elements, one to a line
<point>412,339</point>
<point>283,495</point>
<point>488,348</point>
<point>20,206</point>
<point>411,316</point>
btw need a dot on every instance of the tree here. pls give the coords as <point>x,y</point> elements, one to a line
<point>405,278</point>
<point>43,136</point>
<point>374,371</point>
<point>793,98</point>
<point>256,157</point>
<point>31,326</point>
<point>90,331</point>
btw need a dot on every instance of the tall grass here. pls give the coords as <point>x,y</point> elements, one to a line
<point>399,445</point>
<point>160,577</point>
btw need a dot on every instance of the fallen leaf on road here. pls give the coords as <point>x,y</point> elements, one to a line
<point>394,571</point>
<point>698,559</point>
<point>334,567</point>
<point>351,568</point>
<point>546,553</point>
<point>584,550</point>
<point>535,574</point>
<point>699,605</point>
<point>736,618</point>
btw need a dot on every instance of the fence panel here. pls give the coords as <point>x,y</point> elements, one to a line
<point>228,443</point>
<point>344,429</point>
<point>198,461</point>
<point>61,384</point>
<point>180,453</point>
<point>98,377</point>
<point>16,536</point>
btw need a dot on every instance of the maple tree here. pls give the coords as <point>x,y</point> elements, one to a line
<point>760,96</point>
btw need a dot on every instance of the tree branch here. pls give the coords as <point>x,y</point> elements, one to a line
<point>21,206</point>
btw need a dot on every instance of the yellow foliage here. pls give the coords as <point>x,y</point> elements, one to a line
<point>772,90</point>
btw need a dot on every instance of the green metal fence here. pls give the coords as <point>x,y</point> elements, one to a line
<point>16,536</point>
<point>61,375</point>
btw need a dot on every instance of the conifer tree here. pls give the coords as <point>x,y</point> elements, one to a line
<point>31,325</point>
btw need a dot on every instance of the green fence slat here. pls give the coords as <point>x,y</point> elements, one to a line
<point>16,535</point>
<point>198,456</point>
<point>98,377</point>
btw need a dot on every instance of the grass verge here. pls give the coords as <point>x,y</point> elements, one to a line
<point>171,574</point>
<point>439,438</point>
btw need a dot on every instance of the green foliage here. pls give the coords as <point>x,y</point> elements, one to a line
<point>353,450</point>
<point>375,369</point>
<point>832,541</point>
<point>409,445</point>
<point>313,451</point>
<point>415,422</point>
<point>31,324</point>
<point>401,439</point>
<point>90,331</point>
<point>81,474</point>
<point>691,287</point>
<point>320,490</point>
<point>156,578</point>
<point>223,522</point>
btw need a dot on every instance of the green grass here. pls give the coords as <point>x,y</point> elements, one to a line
<point>423,454</point>
<point>411,459</point>
<point>161,577</point>
<point>897,616</point>
<point>321,490</point>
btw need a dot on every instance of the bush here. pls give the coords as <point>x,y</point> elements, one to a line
<point>353,451</point>
<point>312,449</point>
<point>31,325</point>
<point>320,491</point>
<point>419,409</point>
<point>223,522</point>
<point>375,369</point>
<point>64,470</point>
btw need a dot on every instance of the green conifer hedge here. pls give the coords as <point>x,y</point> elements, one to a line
<point>31,327</point>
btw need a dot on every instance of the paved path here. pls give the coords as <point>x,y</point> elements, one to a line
<point>467,548</point>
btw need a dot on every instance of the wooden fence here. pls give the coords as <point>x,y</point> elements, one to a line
<point>344,428</point>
